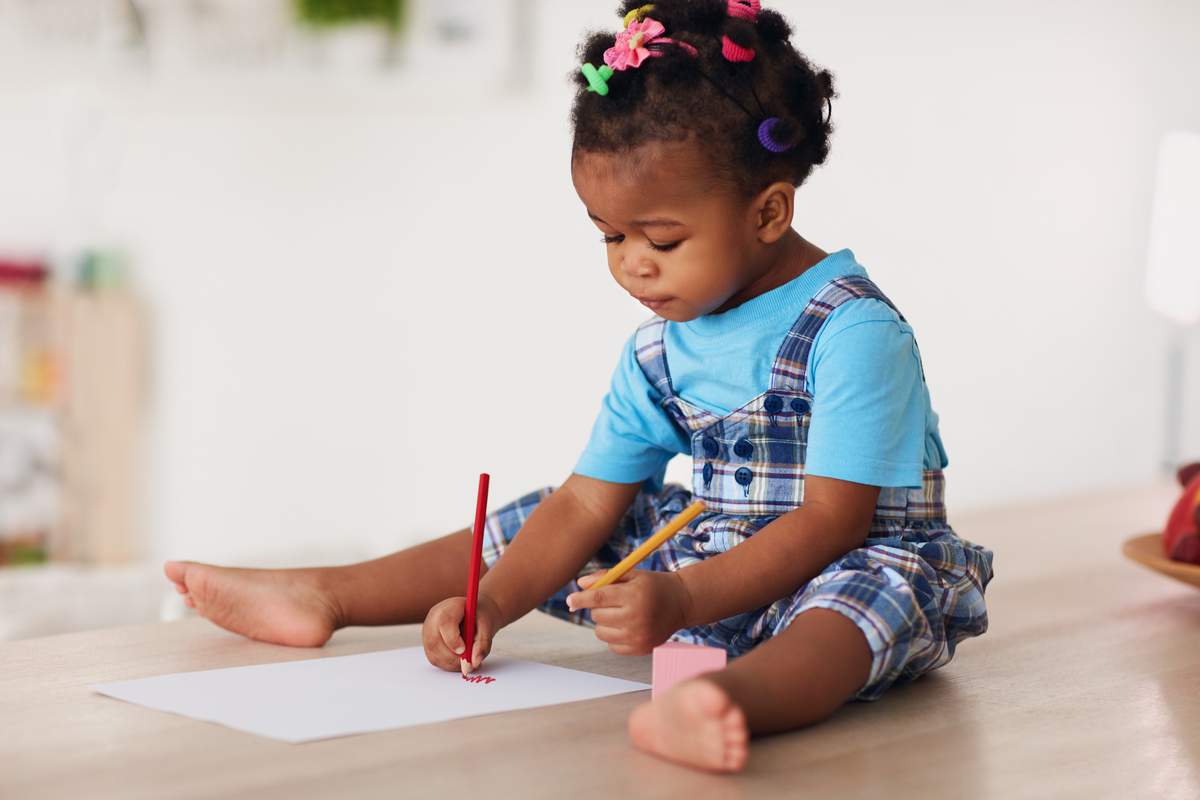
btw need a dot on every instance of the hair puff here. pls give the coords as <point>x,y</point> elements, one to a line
<point>676,96</point>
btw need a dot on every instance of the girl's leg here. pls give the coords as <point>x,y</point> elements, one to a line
<point>800,676</point>
<point>303,607</point>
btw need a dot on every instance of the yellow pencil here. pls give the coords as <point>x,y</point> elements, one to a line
<point>650,545</point>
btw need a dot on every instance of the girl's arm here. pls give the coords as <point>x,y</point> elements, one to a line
<point>563,532</point>
<point>784,554</point>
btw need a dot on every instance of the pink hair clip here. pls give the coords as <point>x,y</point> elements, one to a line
<point>741,9</point>
<point>745,9</point>
<point>632,46</point>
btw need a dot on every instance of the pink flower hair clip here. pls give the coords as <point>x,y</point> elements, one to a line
<point>642,39</point>
<point>632,45</point>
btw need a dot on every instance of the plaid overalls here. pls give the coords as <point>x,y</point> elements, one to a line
<point>914,588</point>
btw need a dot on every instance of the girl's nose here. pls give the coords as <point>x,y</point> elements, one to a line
<point>639,268</point>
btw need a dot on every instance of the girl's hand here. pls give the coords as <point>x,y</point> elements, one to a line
<point>638,612</point>
<point>442,633</point>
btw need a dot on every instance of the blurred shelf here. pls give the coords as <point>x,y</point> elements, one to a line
<point>72,400</point>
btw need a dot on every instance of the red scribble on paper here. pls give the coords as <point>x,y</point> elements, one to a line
<point>478,678</point>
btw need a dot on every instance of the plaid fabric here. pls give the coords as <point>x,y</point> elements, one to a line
<point>790,369</point>
<point>751,461</point>
<point>914,594</point>
<point>914,588</point>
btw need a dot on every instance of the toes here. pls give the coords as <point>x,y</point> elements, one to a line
<point>175,570</point>
<point>726,736</point>
<point>736,729</point>
<point>735,759</point>
<point>737,736</point>
<point>697,723</point>
<point>737,752</point>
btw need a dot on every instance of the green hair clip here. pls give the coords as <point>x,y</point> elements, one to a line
<point>597,78</point>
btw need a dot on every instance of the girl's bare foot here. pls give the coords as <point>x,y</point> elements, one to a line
<point>695,723</point>
<point>283,606</point>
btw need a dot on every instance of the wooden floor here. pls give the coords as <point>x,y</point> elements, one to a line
<point>1087,685</point>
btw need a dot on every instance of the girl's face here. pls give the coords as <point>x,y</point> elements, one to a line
<point>676,241</point>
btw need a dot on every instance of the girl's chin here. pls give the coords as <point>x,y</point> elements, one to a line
<point>676,314</point>
<point>672,309</point>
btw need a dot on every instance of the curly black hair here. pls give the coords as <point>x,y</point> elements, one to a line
<point>678,96</point>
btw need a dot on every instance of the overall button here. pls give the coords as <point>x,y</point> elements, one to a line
<point>743,448</point>
<point>743,476</point>
<point>708,473</point>
<point>773,404</point>
<point>800,405</point>
<point>711,448</point>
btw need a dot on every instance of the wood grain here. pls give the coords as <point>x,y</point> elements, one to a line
<point>1086,685</point>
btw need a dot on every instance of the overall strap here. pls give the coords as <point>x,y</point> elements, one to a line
<point>790,369</point>
<point>652,355</point>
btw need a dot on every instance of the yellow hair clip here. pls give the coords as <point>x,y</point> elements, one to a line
<point>638,13</point>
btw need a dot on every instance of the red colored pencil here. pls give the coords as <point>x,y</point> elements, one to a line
<point>473,576</point>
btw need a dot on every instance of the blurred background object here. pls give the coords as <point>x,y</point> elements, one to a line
<point>353,272</point>
<point>31,487</point>
<point>71,413</point>
<point>1173,273</point>
<point>72,420</point>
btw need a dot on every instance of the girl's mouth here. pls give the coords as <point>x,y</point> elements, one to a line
<point>653,303</point>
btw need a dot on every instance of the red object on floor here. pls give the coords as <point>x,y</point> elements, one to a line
<point>1181,539</point>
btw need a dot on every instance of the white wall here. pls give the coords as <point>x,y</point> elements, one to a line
<point>364,295</point>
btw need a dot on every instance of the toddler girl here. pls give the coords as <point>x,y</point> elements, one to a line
<point>824,564</point>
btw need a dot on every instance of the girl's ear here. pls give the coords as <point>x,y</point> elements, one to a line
<point>774,206</point>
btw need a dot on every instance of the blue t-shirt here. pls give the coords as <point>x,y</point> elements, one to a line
<point>872,421</point>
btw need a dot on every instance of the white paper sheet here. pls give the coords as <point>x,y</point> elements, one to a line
<point>299,701</point>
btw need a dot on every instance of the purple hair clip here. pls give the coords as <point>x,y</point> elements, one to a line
<point>766,136</point>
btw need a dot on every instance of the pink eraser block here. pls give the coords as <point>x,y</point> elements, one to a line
<point>677,661</point>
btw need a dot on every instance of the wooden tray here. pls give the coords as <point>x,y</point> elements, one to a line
<point>1148,551</point>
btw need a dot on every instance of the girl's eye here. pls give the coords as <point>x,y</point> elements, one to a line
<point>617,238</point>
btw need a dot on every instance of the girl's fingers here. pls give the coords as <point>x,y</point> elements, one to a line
<point>609,615</point>
<point>588,579</point>
<point>592,577</point>
<point>609,634</point>
<point>483,646</point>
<point>615,638</point>
<point>451,637</point>
<point>440,636</point>
<point>476,655</point>
<point>595,598</point>
<point>440,656</point>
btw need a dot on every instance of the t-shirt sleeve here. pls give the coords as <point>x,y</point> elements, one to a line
<point>869,407</point>
<point>633,438</point>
